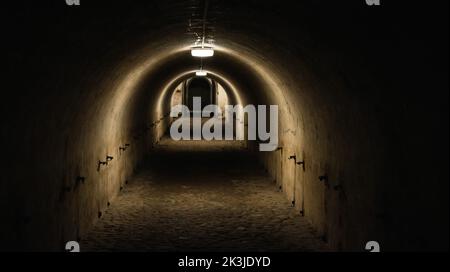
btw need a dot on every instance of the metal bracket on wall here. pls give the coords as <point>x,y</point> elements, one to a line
<point>324,178</point>
<point>80,179</point>
<point>100,163</point>
<point>302,163</point>
<point>293,157</point>
<point>123,148</point>
<point>340,190</point>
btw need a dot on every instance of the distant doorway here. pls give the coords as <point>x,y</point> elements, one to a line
<point>199,87</point>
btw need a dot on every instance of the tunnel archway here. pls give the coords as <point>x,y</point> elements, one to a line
<point>95,105</point>
<point>199,87</point>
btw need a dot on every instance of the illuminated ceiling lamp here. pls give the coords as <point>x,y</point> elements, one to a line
<point>202,51</point>
<point>201,73</point>
<point>199,26</point>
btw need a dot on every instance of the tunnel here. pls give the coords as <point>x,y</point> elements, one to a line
<point>362,147</point>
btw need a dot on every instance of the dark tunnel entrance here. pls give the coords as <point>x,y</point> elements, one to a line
<point>199,87</point>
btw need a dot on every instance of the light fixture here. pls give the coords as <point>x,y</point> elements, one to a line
<point>202,51</point>
<point>201,73</point>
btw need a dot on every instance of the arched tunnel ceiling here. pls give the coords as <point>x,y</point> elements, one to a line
<point>135,37</point>
<point>131,37</point>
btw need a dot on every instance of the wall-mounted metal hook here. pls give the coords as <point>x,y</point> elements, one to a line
<point>323,178</point>
<point>80,179</point>
<point>302,163</point>
<point>100,163</point>
<point>293,157</point>
<point>124,147</point>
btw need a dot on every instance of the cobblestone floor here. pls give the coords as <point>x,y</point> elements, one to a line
<point>184,199</point>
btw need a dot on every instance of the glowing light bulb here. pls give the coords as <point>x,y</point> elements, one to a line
<point>202,52</point>
<point>201,73</point>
